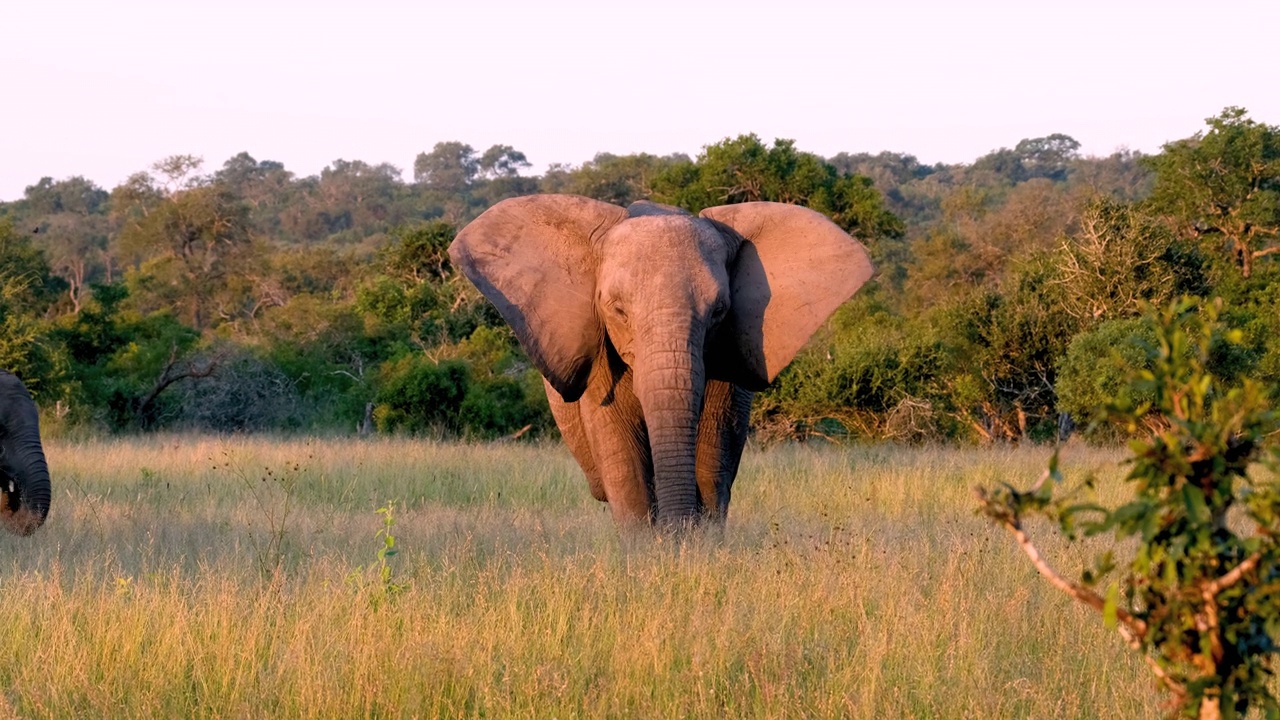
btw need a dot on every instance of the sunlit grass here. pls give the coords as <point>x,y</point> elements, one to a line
<point>199,577</point>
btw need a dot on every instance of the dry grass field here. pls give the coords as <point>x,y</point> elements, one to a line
<point>239,577</point>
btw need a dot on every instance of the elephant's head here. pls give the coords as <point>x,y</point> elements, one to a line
<point>24,477</point>
<point>731,294</point>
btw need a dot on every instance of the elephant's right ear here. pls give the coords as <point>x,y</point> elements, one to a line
<point>532,258</point>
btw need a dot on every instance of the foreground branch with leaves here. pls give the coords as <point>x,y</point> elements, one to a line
<point>1199,595</point>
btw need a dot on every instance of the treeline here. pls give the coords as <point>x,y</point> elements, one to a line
<point>1005,305</point>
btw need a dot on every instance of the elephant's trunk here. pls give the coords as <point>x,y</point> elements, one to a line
<point>670,383</point>
<point>26,491</point>
<point>24,508</point>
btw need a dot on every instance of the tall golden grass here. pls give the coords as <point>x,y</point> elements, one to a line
<point>206,577</point>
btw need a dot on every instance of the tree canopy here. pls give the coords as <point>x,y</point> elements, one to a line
<point>249,297</point>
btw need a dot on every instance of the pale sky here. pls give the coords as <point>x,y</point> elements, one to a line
<point>105,88</point>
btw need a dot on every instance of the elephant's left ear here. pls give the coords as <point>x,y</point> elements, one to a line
<point>793,269</point>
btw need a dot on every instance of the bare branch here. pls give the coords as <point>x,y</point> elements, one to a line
<point>1040,483</point>
<point>1131,629</point>
<point>1175,687</point>
<point>1234,576</point>
<point>1082,594</point>
<point>344,372</point>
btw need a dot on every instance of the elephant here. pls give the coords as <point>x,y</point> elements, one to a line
<point>25,491</point>
<point>653,328</point>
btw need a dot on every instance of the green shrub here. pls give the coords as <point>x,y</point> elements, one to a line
<point>1095,372</point>
<point>504,405</point>
<point>416,394</point>
<point>861,378</point>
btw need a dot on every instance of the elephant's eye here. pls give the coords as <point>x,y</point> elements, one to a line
<point>719,310</point>
<point>618,312</point>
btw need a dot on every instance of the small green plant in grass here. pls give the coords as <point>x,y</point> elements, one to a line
<point>1199,592</point>
<point>385,586</point>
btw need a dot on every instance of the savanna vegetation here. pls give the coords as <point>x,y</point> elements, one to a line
<point>181,576</point>
<point>288,575</point>
<point>246,298</point>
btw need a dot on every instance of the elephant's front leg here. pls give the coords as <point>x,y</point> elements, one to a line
<point>568,418</point>
<point>613,422</point>
<point>722,433</point>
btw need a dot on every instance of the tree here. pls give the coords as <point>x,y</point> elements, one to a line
<point>980,235</point>
<point>18,332</point>
<point>70,216</point>
<point>179,172</point>
<point>241,172</point>
<point>744,169</point>
<point>874,377</point>
<point>1003,165</point>
<point>1048,157</point>
<point>501,161</point>
<point>1198,596</point>
<point>354,195</point>
<point>457,184</point>
<point>417,394</point>
<point>77,248</point>
<point>24,266</point>
<point>1120,258</point>
<point>134,199</point>
<point>887,169</point>
<point>189,245</point>
<point>1123,175</point>
<point>27,289</point>
<point>414,286</point>
<point>450,167</point>
<point>266,186</point>
<point>72,195</point>
<point>1003,346</point>
<point>910,188</point>
<point>617,179</point>
<point>1223,186</point>
<point>160,354</point>
<point>1043,157</point>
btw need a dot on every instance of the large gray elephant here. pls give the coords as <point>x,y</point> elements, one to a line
<point>24,477</point>
<point>653,329</point>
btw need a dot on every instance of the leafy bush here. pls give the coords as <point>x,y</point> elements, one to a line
<point>482,387</point>
<point>1096,372</point>
<point>504,405</point>
<point>416,290</point>
<point>862,378</point>
<point>416,394</point>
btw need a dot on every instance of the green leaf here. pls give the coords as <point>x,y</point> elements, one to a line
<point>1109,607</point>
<point>1083,507</point>
<point>1197,510</point>
<point>1129,513</point>
<point>1054,472</point>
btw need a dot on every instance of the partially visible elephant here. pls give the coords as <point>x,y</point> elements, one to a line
<point>25,491</point>
<point>653,328</point>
